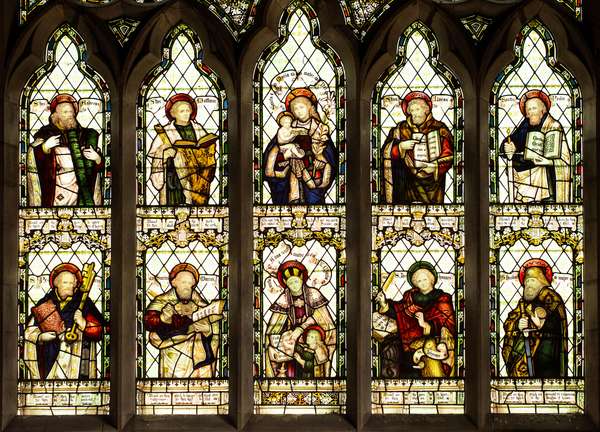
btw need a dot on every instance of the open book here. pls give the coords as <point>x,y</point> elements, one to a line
<point>427,149</point>
<point>541,145</point>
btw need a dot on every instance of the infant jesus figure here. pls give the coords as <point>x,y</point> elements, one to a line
<point>290,149</point>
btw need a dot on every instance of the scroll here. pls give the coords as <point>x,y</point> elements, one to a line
<point>214,309</point>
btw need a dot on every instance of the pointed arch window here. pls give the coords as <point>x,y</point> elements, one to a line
<point>536,232</point>
<point>183,230</point>
<point>299,221</point>
<point>418,233</point>
<point>64,227</point>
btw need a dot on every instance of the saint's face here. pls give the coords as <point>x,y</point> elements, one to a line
<point>64,116</point>
<point>423,279</point>
<point>533,286</point>
<point>184,284</point>
<point>300,107</point>
<point>418,111</point>
<point>294,283</point>
<point>313,338</point>
<point>182,112</point>
<point>535,110</point>
<point>65,283</point>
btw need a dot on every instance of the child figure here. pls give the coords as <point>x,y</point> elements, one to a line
<point>313,169</point>
<point>286,135</point>
<point>311,356</point>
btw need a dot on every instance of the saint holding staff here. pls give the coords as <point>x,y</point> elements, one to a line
<point>537,154</point>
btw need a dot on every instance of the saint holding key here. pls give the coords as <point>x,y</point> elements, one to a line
<point>64,327</point>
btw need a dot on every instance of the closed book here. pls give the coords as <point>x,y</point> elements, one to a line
<point>48,317</point>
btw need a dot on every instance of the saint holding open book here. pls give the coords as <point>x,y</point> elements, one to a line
<point>537,154</point>
<point>182,156</point>
<point>417,154</point>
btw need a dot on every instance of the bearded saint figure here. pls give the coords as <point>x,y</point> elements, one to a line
<point>188,344</point>
<point>411,177</point>
<point>300,334</point>
<point>63,162</point>
<point>48,354</point>
<point>535,332</point>
<point>538,179</point>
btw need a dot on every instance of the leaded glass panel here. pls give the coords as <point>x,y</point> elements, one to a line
<point>299,223</point>
<point>183,231</point>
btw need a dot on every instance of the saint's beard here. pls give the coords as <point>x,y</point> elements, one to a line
<point>535,120</point>
<point>64,123</point>
<point>531,292</point>
<point>418,120</point>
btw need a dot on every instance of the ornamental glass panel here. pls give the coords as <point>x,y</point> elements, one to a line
<point>237,15</point>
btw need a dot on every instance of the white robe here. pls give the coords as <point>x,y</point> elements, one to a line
<point>68,362</point>
<point>179,354</point>
<point>532,185</point>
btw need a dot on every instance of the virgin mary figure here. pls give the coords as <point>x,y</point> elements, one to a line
<point>304,173</point>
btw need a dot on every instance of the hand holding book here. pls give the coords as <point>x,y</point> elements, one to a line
<point>542,147</point>
<point>408,144</point>
<point>427,149</point>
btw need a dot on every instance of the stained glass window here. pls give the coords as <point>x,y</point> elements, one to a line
<point>182,234</point>
<point>123,28</point>
<point>476,25</point>
<point>418,233</point>
<point>299,224</point>
<point>536,232</point>
<point>64,231</point>
<point>237,15</point>
<point>362,14</point>
<point>575,6</point>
